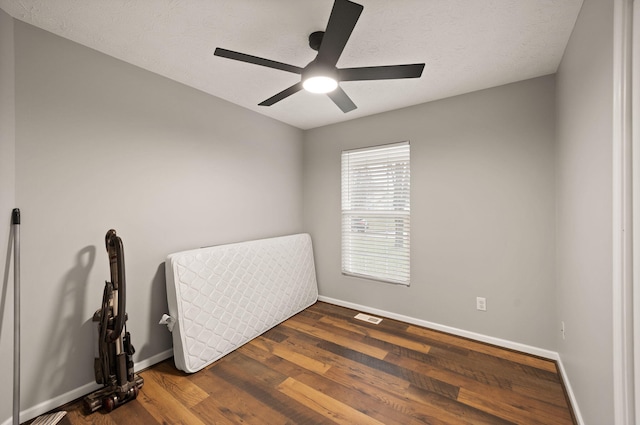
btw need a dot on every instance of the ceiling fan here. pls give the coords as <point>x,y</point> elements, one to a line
<point>321,74</point>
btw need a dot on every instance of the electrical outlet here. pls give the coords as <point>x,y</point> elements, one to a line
<point>562,329</point>
<point>481,303</point>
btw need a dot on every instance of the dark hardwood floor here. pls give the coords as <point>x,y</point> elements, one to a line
<point>324,367</point>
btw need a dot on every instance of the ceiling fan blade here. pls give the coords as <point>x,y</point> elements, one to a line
<point>283,94</point>
<point>342,20</point>
<point>389,72</point>
<point>243,57</point>
<point>341,99</point>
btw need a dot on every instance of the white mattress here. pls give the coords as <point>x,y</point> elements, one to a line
<point>221,297</point>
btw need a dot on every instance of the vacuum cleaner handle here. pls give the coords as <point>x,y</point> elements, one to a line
<point>115,251</point>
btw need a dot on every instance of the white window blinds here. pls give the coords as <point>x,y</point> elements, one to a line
<point>376,212</point>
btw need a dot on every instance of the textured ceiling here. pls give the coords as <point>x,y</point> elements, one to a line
<point>467,45</point>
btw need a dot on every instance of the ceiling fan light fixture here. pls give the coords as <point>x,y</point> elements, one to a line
<point>319,78</point>
<point>320,84</point>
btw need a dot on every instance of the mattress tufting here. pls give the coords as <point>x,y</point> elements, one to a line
<point>223,296</point>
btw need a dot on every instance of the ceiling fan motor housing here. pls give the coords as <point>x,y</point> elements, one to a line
<point>315,40</point>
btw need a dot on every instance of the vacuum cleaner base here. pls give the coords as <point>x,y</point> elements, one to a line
<point>111,397</point>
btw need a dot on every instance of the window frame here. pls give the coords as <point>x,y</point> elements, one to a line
<point>375,194</point>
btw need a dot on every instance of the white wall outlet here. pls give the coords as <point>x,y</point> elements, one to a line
<point>481,303</point>
<point>562,329</point>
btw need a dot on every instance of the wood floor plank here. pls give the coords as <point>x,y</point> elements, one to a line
<point>77,416</point>
<point>336,337</point>
<point>342,371</point>
<point>254,396</point>
<point>499,396</point>
<point>332,310</point>
<point>455,373</point>
<point>370,332</point>
<point>336,410</point>
<point>323,367</point>
<point>364,402</point>
<point>381,388</point>
<point>477,381</point>
<point>418,379</point>
<point>522,379</point>
<point>185,391</point>
<point>262,389</point>
<point>515,409</point>
<point>230,403</point>
<point>228,396</point>
<point>456,412</point>
<point>485,348</point>
<point>132,412</point>
<point>423,410</point>
<point>287,352</point>
<point>164,406</point>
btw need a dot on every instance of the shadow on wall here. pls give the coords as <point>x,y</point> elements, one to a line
<point>68,328</point>
<point>5,280</point>
<point>160,338</point>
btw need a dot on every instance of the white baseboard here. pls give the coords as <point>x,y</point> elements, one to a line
<point>46,406</point>
<point>570,393</point>
<point>552,355</point>
<point>548,354</point>
<point>144,364</point>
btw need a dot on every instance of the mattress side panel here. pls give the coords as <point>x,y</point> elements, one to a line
<point>172,301</point>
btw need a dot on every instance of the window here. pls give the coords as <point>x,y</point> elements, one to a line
<point>376,213</point>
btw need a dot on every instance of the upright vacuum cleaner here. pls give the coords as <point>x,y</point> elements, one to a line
<point>114,364</point>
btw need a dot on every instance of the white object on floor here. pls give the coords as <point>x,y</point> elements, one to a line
<point>49,419</point>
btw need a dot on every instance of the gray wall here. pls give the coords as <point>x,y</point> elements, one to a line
<point>482,213</point>
<point>7,203</point>
<point>584,218</point>
<point>102,144</point>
